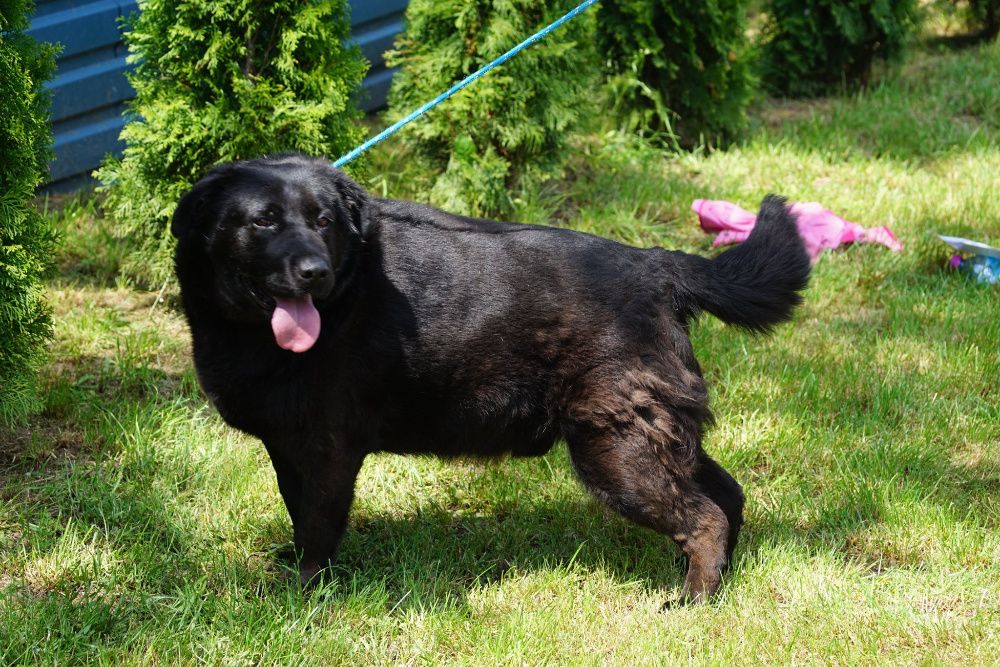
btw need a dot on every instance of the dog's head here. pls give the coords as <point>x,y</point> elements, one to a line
<point>277,234</point>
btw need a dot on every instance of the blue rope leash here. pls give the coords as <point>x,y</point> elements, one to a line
<point>388,132</point>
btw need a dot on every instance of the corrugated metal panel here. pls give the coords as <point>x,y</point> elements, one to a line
<point>89,90</point>
<point>376,24</point>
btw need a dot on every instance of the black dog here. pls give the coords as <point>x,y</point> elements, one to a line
<point>332,324</point>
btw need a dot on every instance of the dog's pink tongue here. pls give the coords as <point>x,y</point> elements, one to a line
<point>295,323</point>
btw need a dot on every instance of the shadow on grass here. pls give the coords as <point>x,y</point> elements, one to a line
<point>431,558</point>
<point>107,479</point>
<point>960,41</point>
<point>108,507</point>
<point>937,105</point>
<point>434,558</point>
<point>103,556</point>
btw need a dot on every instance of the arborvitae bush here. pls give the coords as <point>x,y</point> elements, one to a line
<point>813,46</point>
<point>510,126</point>
<point>26,242</point>
<point>981,16</point>
<point>985,15</point>
<point>220,80</point>
<point>680,66</point>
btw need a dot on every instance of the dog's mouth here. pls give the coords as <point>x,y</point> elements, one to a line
<point>295,323</point>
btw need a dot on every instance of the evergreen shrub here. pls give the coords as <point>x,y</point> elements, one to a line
<point>811,47</point>
<point>220,80</point>
<point>678,66</point>
<point>26,242</point>
<point>981,16</point>
<point>511,126</point>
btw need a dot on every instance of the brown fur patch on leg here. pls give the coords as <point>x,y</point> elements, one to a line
<point>635,442</point>
<point>705,547</point>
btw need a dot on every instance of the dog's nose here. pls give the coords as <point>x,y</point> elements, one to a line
<point>312,270</point>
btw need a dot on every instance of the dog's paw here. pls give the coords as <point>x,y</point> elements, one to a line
<point>684,599</point>
<point>309,574</point>
<point>284,554</point>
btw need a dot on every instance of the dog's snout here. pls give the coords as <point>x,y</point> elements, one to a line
<point>312,270</point>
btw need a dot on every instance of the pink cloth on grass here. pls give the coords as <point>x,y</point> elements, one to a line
<point>819,227</point>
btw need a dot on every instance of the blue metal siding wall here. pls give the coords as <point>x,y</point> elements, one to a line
<point>376,24</point>
<point>89,90</point>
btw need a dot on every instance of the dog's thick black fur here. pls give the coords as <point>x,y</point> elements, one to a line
<point>449,335</point>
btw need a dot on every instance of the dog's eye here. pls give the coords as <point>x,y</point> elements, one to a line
<point>323,222</point>
<point>263,222</point>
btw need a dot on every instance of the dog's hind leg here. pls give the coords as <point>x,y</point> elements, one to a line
<point>644,459</point>
<point>725,492</point>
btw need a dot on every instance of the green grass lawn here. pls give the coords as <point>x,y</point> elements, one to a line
<point>135,527</point>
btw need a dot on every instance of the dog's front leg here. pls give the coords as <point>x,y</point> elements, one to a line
<point>317,485</point>
<point>324,502</point>
<point>289,479</point>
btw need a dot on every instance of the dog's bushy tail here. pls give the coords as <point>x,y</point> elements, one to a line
<point>756,284</point>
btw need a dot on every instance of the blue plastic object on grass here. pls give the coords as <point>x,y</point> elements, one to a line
<point>981,268</point>
<point>982,264</point>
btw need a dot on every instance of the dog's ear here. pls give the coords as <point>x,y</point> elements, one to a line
<point>189,216</point>
<point>354,199</point>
